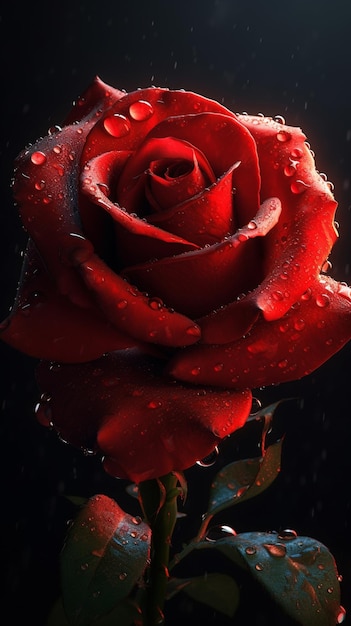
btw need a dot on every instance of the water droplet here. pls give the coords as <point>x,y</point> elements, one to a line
<point>322,300</point>
<point>136,520</point>
<point>155,303</point>
<point>341,615</point>
<point>299,324</point>
<point>195,371</point>
<point>38,158</point>
<point>194,330</point>
<point>275,549</point>
<point>326,266</point>
<point>218,367</point>
<point>288,534</point>
<point>54,129</point>
<point>252,225</point>
<point>219,532</point>
<point>259,567</point>
<point>277,296</point>
<point>39,185</point>
<point>57,149</point>
<point>122,575</point>
<point>210,459</point>
<point>279,119</point>
<point>116,125</point>
<point>256,405</point>
<point>122,304</point>
<point>283,364</point>
<point>296,153</point>
<point>84,567</point>
<point>140,110</point>
<point>298,186</point>
<point>251,550</point>
<point>154,404</point>
<point>289,170</point>
<point>307,294</point>
<point>283,136</point>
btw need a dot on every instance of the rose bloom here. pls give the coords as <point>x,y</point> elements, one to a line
<point>175,261</point>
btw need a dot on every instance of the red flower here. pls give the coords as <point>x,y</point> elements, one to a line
<point>162,222</point>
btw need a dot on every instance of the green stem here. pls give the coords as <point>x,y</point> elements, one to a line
<point>159,502</point>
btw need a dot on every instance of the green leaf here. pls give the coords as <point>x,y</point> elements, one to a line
<point>299,573</point>
<point>218,591</point>
<point>244,479</point>
<point>105,553</point>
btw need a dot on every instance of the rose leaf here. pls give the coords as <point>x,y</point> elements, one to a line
<point>299,573</point>
<point>244,479</point>
<point>218,591</point>
<point>105,553</point>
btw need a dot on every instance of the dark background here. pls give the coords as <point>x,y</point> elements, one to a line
<point>291,59</point>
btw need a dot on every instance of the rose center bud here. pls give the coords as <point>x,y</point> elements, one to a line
<point>171,182</point>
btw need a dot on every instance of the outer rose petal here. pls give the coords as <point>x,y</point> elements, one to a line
<point>99,96</point>
<point>45,324</point>
<point>303,239</point>
<point>143,424</point>
<point>314,329</point>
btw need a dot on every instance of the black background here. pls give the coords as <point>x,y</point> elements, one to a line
<point>291,59</point>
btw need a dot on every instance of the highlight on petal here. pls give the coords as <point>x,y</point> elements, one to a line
<point>144,425</point>
<point>314,329</point>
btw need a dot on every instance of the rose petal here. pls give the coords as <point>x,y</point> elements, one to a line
<point>146,319</point>
<point>296,251</point>
<point>224,141</point>
<point>172,182</point>
<point>46,325</point>
<point>199,282</point>
<point>153,149</point>
<point>143,424</point>
<point>45,188</point>
<point>98,176</point>
<point>314,329</point>
<point>207,217</point>
<point>163,104</point>
<point>99,95</point>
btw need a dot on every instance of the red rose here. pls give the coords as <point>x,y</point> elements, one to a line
<point>191,241</point>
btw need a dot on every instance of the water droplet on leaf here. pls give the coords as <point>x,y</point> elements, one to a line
<point>287,534</point>
<point>275,549</point>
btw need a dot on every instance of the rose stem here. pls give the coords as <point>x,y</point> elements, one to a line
<point>158,499</point>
